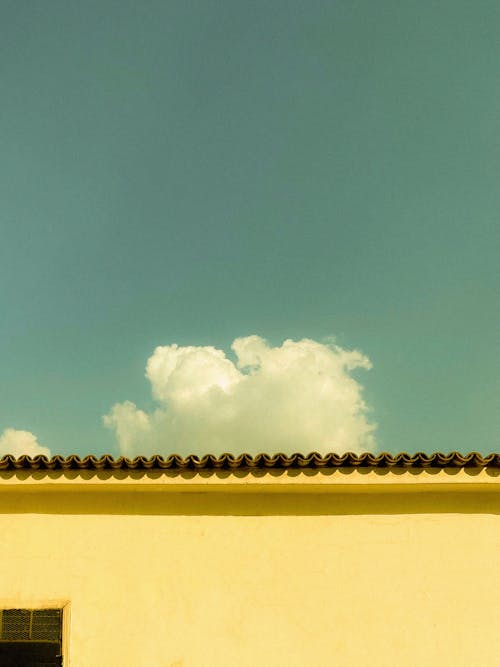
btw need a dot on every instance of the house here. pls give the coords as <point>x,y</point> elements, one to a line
<point>278,561</point>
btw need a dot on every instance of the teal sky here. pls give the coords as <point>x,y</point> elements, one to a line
<point>191,172</point>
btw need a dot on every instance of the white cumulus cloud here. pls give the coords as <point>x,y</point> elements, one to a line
<point>297,397</point>
<point>17,443</point>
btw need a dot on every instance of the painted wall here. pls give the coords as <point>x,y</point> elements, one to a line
<point>362,569</point>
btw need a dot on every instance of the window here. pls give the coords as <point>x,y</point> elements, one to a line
<point>31,637</point>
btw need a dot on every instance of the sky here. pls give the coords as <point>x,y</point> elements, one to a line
<point>262,225</point>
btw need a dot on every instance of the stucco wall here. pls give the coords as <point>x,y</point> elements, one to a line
<point>283,575</point>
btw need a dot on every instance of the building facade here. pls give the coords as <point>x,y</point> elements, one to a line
<point>273,561</point>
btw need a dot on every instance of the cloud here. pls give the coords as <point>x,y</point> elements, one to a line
<point>18,443</point>
<point>296,397</point>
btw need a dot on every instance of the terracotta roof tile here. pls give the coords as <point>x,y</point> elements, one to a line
<point>174,462</point>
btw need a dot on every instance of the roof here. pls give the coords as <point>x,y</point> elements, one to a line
<point>313,460</point>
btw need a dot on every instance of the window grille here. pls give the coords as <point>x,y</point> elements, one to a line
<point>30,637</point>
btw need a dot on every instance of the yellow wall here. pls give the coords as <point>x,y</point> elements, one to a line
<point>292,570</point>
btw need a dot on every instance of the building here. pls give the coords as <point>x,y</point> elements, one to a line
<point>307,561</point>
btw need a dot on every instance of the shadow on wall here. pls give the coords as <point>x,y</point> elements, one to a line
<point>222,503</point>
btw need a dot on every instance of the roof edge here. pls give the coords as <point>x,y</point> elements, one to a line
<point>313,460</point>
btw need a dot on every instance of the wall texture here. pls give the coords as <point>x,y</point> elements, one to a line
<point>285,570</point>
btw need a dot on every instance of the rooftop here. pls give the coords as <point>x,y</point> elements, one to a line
<point>311,461</point>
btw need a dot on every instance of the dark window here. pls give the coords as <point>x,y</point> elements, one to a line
<point>31,637</point>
